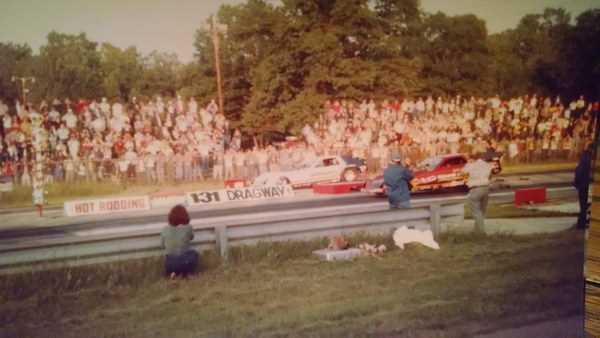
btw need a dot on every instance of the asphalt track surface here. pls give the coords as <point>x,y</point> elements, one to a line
<point>61,230</point>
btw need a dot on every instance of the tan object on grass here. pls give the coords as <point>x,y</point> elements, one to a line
<point>372,250</point>
<point>338,243</point>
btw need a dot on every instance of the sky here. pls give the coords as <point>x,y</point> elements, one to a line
<point>169,25</point>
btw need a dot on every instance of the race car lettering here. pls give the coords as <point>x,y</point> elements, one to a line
<point>427,179</point>
<point>447,176</point>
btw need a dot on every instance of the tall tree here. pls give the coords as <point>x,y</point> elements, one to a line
<point>402,24</point>
<point>540,41</point>
<point>121,71</point>
<point>160,74</point>
<point>327,48</point>
<point>15,60</point>
<point>69,66</point>
<point>252,33</point>
<point>585,54</point>
<point>455,55</point>
<point>508,74</point>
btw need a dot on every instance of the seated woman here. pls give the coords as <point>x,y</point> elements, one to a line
<point>180,259</point>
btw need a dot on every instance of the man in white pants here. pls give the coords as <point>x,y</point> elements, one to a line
<point>479,180</point>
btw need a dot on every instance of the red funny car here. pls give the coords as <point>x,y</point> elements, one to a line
<point>434,173</point>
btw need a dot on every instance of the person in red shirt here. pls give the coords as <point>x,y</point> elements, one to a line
<point>81,106</point>
<point>119,147</point>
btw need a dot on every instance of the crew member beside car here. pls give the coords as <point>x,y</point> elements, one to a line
<point>479,172</point>
<point>396,179</point>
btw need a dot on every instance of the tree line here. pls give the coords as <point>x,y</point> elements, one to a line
<point>280,62</point>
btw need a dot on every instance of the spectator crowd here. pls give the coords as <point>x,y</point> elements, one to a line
<point>176,140</point>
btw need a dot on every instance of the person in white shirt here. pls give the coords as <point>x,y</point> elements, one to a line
<point>206,117</point>
<point>73,145</point>
<point>117,123</point>
<point>420,106</point>
<point>62,133</point>
<point>105,107</point>
<point>38,196</point>
<point>478,182</point>
<point>70,119</point>
<point>193,106</point>
<point>99,124</point>
<point>7,122</point>
<point>117,109</point>
<point>54,116</point>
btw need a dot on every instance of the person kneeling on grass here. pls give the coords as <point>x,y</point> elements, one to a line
<point>180,259</point>
<point>396,178</point>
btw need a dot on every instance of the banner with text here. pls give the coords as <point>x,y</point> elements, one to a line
<point>239,194</point>
<point>162,200</point>
<point>107,205</point>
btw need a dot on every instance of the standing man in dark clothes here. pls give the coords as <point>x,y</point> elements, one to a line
<point>396,179</point>
<point>582,183</point>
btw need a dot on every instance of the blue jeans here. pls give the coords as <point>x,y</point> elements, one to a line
<point>183,264</point>
<point>400,205</point>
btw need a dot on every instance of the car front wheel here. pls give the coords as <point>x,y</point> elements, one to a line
<point>349,175</point>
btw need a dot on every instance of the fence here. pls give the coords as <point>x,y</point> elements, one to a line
<point>221,233</point>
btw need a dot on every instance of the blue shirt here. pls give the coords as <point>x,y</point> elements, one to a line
<point>396,179</point>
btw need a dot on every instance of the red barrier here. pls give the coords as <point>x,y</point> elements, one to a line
<point>337,188</point>
<point>530,195</point>
<point>235,183</point>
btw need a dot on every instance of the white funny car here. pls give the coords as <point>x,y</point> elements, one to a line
<point>323,169</point>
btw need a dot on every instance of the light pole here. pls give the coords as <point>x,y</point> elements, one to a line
<point>23,80</point>
<point>215,28</point>
<point>37,156</point>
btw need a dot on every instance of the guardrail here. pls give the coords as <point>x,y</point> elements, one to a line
<point>222,232</point>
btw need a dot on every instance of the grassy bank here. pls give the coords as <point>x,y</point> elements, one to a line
<point>538,168</point>
<point>509,210</point>
<point>275,290</point>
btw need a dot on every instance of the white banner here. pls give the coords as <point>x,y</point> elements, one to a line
<point>239,194</point>
<point>106,206</point>
<point>6,187</point>
<point>166,200</point>
<point>6,183</point>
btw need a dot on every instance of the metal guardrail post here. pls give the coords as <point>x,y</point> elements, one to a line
<point>435,219</point>
<point>221,241</point>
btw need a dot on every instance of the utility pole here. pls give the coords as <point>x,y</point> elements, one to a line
<point>23,81</point>
<point>214,29</point>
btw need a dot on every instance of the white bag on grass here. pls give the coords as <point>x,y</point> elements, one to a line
<point>404,235</point>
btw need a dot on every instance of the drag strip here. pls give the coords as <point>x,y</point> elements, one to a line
<point>123,225</point>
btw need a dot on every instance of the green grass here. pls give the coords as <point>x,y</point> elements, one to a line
<point>538,168</point>
<point>277,290</point>
<point>509,210</point>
